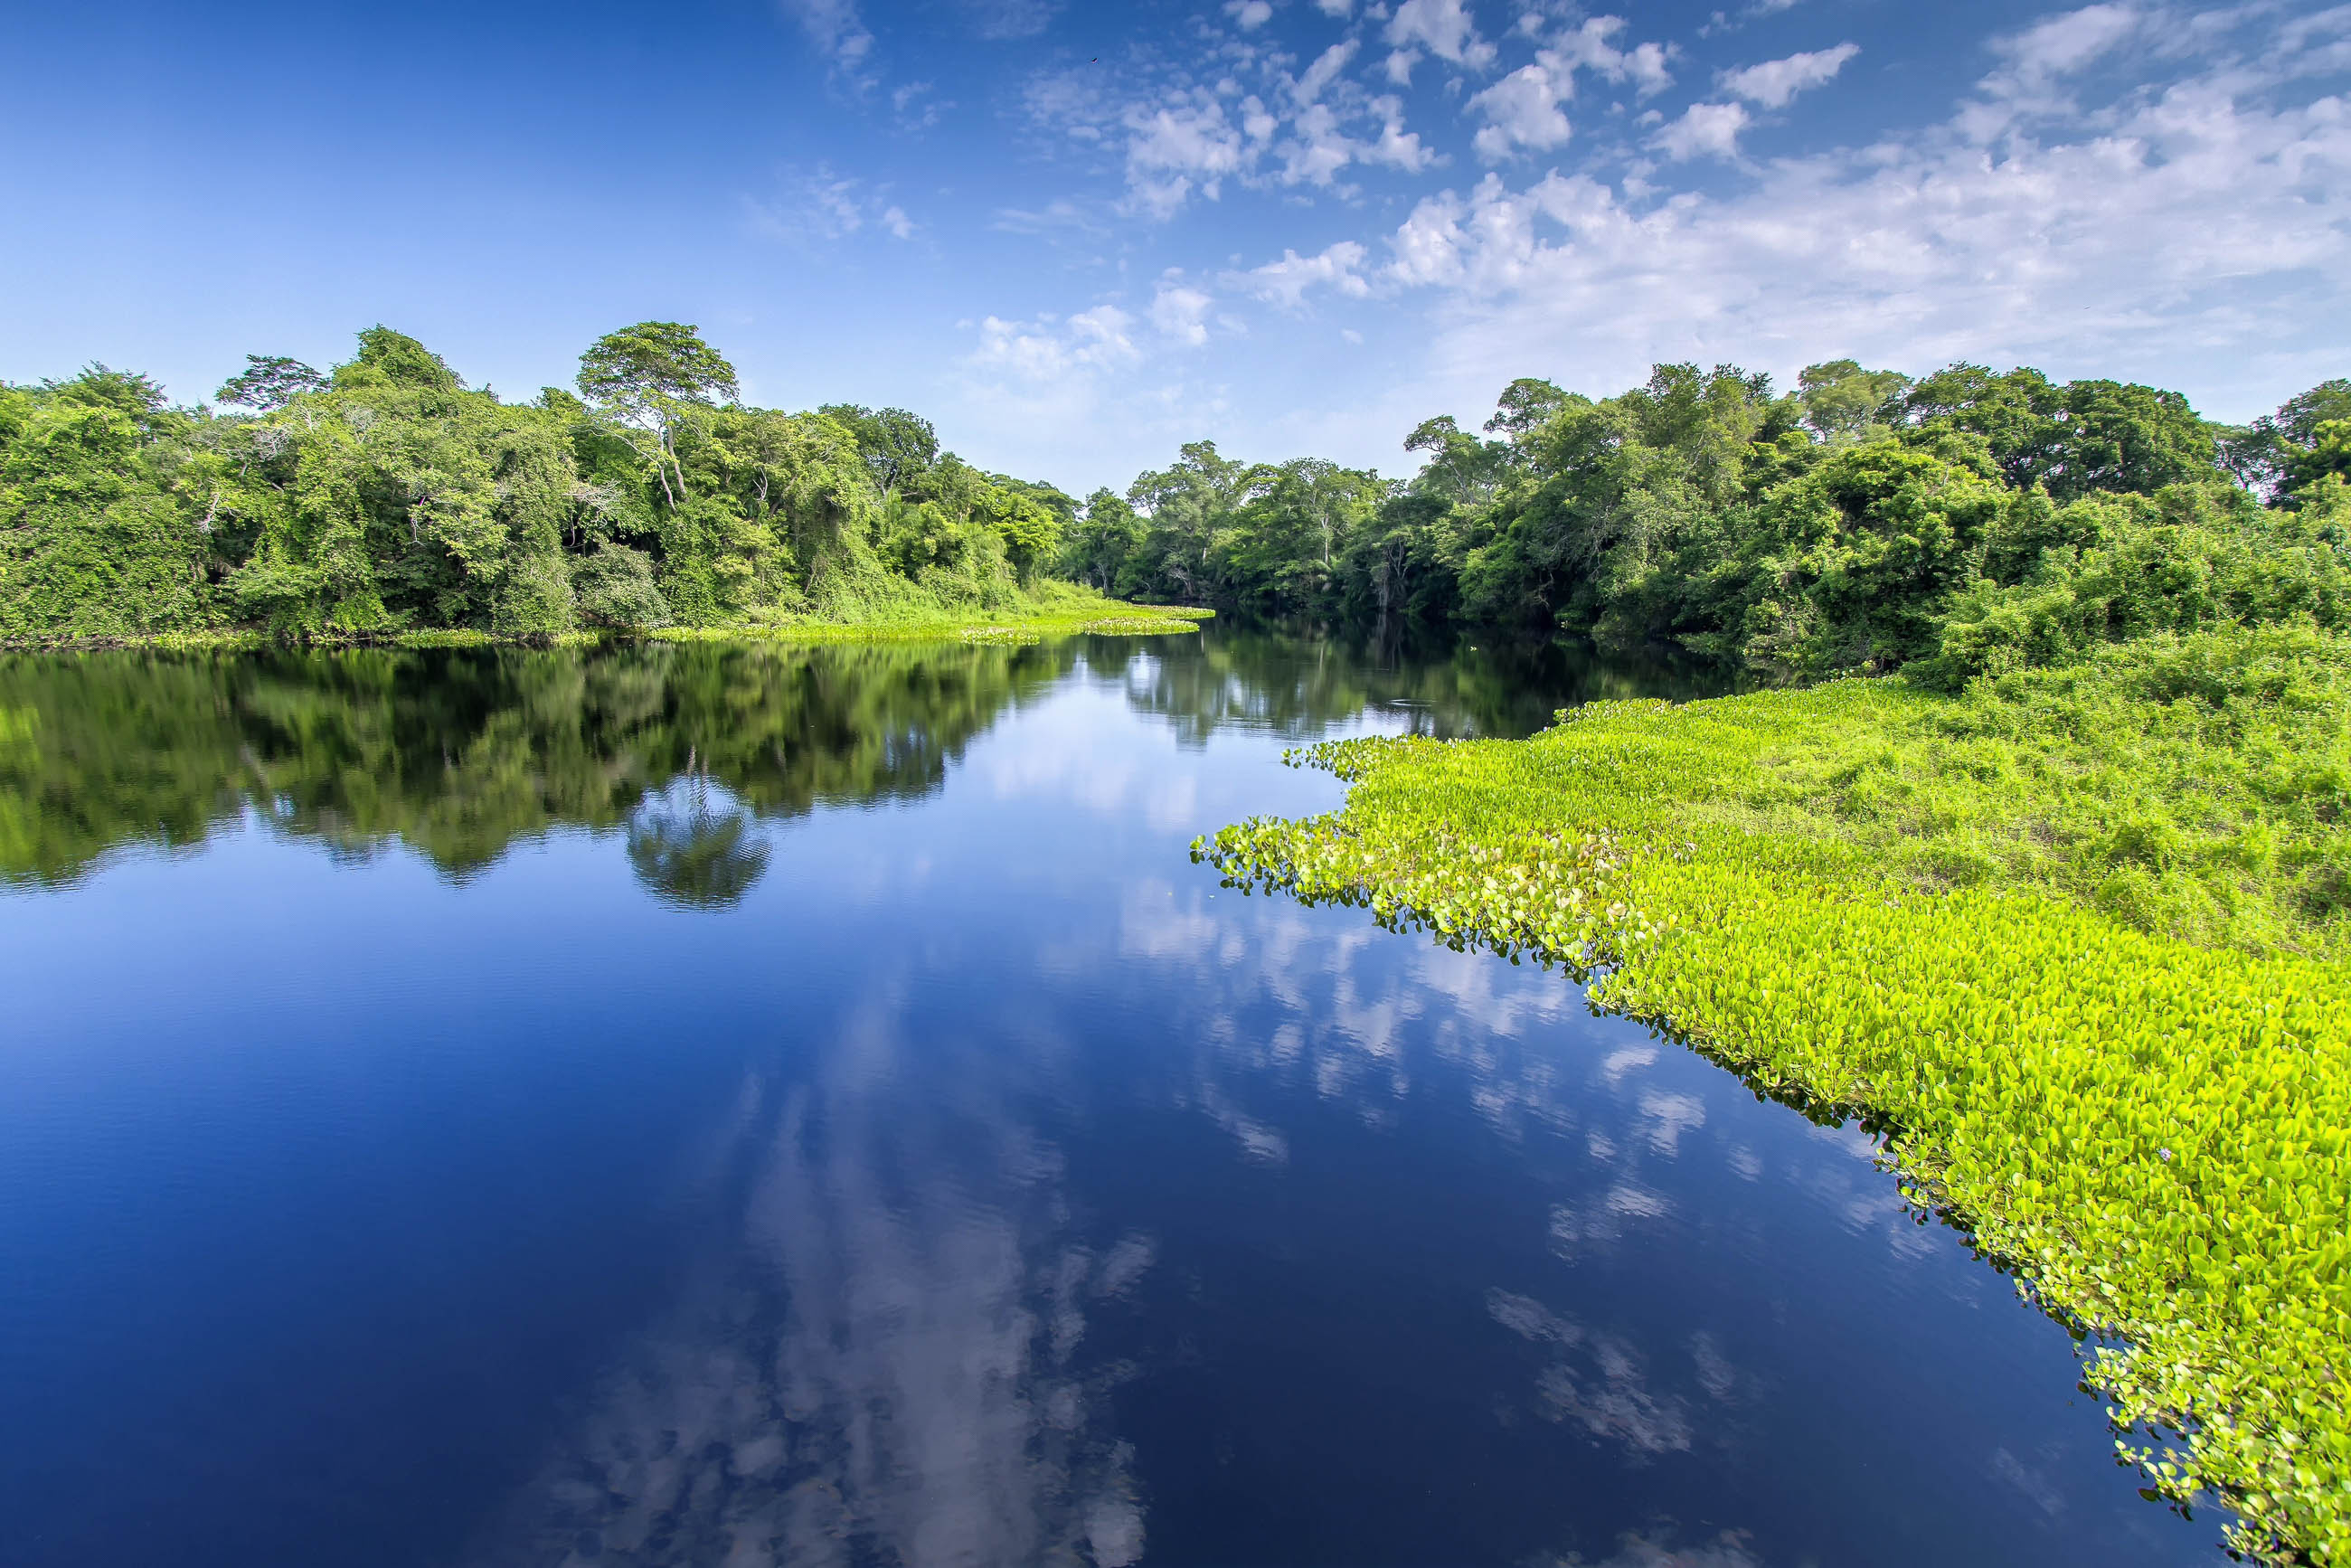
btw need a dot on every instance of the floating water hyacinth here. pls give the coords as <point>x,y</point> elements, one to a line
<point>1958,969</point>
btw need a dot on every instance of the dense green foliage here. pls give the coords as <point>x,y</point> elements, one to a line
<point>1969,521</point>
<point>388,497</point>
<point>2071,938</point>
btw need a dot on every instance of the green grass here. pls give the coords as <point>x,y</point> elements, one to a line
<point>2071,940</point>
<point>1056,615</point>
<point>1051,609</point>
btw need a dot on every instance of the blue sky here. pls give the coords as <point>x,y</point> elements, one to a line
<point>1076,235</point>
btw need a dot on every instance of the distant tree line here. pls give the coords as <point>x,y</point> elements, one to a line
<point>386,495</point>
<point>1966,521</point>
<point>1970,520</point>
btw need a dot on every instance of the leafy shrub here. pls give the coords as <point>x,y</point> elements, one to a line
<point>614,587</point>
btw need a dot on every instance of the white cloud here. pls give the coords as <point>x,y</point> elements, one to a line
<point>2067,43</point>
<point>1399,65</point>
<point>839,33</point>
<point>1010,18</point>
<point>1523,110</point>
<point>1193,133</point>
<point>915,109</point>
<point>1178,148</point>
<point>2197,225</point>
<point>1589,47</point>
<point>1058,216</point>
<point>1045,350</point>
<point>824,204</point>
<point>2187,222</point>
<point>1286,282</point>
<point>1338,9</point>
<point>1775,82</point>
<point>1318,149</point>
<point>1180,314</point>
<point>1396,146</point>
<point>2028,86</point>
<point>1444,29</point>
<point>1249,14</point>
<point>1703,128</point>
<point>1326,67</point>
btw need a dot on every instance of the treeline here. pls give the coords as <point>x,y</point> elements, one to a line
<point>1964,522</point>
<point>387,496</point>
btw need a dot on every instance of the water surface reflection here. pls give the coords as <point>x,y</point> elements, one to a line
<point>742,1106</point>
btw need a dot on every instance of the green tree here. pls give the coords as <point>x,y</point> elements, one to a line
<point>899,446</point>
<point>1844,402</point>
<point>650,378</point>
<point>268,382</point>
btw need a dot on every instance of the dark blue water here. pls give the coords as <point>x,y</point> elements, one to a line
<point>727,1107</point>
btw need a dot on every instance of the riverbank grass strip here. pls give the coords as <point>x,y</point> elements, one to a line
<point>2153,1132</point>
<point>1110,619</point>
<point>1105,618</point>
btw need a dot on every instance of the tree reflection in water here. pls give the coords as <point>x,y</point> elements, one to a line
<point>693,853</point>
<point>458,754</point>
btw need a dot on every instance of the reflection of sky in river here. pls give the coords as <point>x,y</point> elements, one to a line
<point>982,1186</point>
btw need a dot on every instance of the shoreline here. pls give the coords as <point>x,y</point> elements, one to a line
<point>1110,618</point>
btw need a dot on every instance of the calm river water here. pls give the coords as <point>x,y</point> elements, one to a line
<point>730,1106</point>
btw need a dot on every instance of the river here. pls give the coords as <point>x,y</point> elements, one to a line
<point>707,1105</point>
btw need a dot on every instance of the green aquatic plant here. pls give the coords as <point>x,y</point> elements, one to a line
<point>2068,939</point>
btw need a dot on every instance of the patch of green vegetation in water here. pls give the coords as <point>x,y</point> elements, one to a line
<point>2070,939</point>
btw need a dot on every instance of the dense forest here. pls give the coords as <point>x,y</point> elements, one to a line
<point>387,496</point>
<point>1965,522</point>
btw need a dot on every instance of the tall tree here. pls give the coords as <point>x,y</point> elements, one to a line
<point>899,446</point>
<point>648,379</point>
<point>268,382</point>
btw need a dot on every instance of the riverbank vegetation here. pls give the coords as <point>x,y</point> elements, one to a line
<point>1979,521</point>
<point>2035,859</point>
<point>1890,904</point>
<point>387,499</point>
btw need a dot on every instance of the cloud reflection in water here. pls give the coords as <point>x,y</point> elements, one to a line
<point>880,1363</point>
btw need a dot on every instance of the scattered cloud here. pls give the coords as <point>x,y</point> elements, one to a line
<point>1180,313</point>
<point>1324,70</point>
<point>1059,217</point>
<point>825,205</point>
<point>1590,47</point>
<point>1286,282</point>
<point>1704,129</point>
<point>1180,147</point>
<point>2067,43</point>
<point>1443,27</point>
<point>2125,187</point>
<point>2205,212</point>
<point>915,107</point>
<point>838,32</point>
<point>996,19</point>
<point>1522,110</point>
<point>1774,83</point>
<point>1046,349</point>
